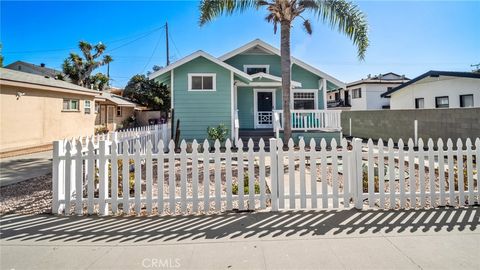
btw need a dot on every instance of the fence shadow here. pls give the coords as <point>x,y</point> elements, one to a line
<point>226,226</point>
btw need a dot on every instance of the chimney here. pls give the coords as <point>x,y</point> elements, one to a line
<point>42,64</point>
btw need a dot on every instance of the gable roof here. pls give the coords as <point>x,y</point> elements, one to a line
<point>432,73</point>
<point>381,79</point>
<point>7,75</point>
<point>195,55</point>
<point>273,50</point>
<point>261,75</point>
<point>118,100</point>
<point>39,70</point>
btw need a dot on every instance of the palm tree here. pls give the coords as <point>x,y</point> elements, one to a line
<point>339,14</point>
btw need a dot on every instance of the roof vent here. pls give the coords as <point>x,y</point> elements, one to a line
<point>369,75</point>
<point>42,64</point>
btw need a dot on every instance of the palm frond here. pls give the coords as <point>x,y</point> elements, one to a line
<point>346,18</point>
<point>307,26</point>
<point>210,9</point>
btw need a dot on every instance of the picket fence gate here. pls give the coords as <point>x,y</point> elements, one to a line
<point>112,178</point>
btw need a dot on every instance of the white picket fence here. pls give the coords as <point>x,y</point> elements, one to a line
<point>116,179</point>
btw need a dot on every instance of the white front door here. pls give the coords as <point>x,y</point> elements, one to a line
<point>264,104</point>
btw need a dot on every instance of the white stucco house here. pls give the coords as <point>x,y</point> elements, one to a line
<point>437,89</point>
<point>365,94</point>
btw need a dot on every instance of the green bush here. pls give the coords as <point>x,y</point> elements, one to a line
<point>218,133</point>
<point>365,182</point>
<point>245,186</point>
<point>101,130</point>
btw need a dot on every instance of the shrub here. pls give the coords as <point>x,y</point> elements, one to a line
<point>245,186</point>
<point>365,182</point>
<point>218,133</point>
<point>101,130</point>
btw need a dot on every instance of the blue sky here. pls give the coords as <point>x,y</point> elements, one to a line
<point>406,37</point>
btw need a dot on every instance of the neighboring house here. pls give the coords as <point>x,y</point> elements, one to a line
<point>365,94</point>
<point>34,69</point>
<point>113,110</point>
<point>244,87</point>
<point>36,110</point>
<point>437,89</point>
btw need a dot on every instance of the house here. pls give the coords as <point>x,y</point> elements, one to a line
<point>113,111</point>
<point>365,94</point>
<point>35,69</point>
<point>437,89</point>
<point>242,90</point>
<point>36,110</point>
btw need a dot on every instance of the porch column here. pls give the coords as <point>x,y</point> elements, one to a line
<point>324,88</point>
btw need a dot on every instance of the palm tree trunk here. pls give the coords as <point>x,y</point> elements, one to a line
<point>286,78</point>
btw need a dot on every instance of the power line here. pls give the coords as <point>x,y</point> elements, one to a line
<point>175,45</point>
<point>153,52</point>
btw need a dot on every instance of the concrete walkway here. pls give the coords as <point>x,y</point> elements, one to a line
<point>21,168</point>
<point>348,239</point>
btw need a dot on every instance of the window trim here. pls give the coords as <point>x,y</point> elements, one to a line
<point>89,107</point>
<point>214,81</point>
<point>267,68</point>
<point>416,107</point>
<point>69,103</point>
<point>292,100</point>
<point>436,102</point>
<point>467,95</point>
<point>360,93</point>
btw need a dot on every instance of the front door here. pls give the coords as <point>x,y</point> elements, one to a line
<point>264,105</point>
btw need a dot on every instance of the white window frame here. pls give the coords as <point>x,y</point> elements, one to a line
<point>267,68</point>
<point>314,91</point>
<point>214,81</point>
<point>69,105</point>
<point>85,107</point>
<point>359,89</point>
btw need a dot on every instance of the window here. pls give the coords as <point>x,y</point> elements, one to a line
<point>357,93</point>
<point>70,105</point>
<point>304,100</point>
<point>441,102</point>
<point>119,111</point>
<point>87,107</point>
<point>466,101</point>
<point>252,69</point>
<point>201,82</point>
<point>419,103</point>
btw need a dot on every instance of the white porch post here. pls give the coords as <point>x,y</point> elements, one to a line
<point>233,106</point>
<point>324,88</point>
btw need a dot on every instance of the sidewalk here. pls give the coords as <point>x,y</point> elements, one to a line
<point>348,239</point>
<point>20,168</point>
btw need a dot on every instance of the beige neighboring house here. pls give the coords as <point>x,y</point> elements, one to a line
<point>113,110</point>
<point>36,110</point>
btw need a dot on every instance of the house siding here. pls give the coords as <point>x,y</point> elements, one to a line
<point>245,59</point>
<point>198,110</point>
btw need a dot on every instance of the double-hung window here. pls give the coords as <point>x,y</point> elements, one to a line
<point>357,93</point>
<point>466,101</point>
<point>119,111</point>
<point>71,105</point>
<point>304,100</point>
<point>202,82</point>
<point>441,102</point>
<point>87,106</point>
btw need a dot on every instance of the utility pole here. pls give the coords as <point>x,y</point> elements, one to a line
<point>168,53</point>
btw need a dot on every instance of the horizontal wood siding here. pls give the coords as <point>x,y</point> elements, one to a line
<point>244,59</point>
<point>198,110</point>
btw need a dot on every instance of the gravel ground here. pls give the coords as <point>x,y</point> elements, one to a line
<point>33,196</point>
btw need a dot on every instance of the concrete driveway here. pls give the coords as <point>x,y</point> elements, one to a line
<point>21,168</point>
<point>348,239</point>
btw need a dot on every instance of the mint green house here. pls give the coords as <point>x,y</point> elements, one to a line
<point>242,89</point>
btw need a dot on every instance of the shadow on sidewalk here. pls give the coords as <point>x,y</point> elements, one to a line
<point>227,226</point>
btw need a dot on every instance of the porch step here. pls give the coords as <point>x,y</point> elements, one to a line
<point>256,135</point>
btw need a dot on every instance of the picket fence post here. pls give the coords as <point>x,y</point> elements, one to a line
<point>357,176</point>
<point>103,180</point>
<point>58,176</point>
<point>273,173</point>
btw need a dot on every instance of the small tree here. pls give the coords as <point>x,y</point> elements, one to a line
<point>79,69</point>
<point>147,92</point>
<point>218,133</point>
